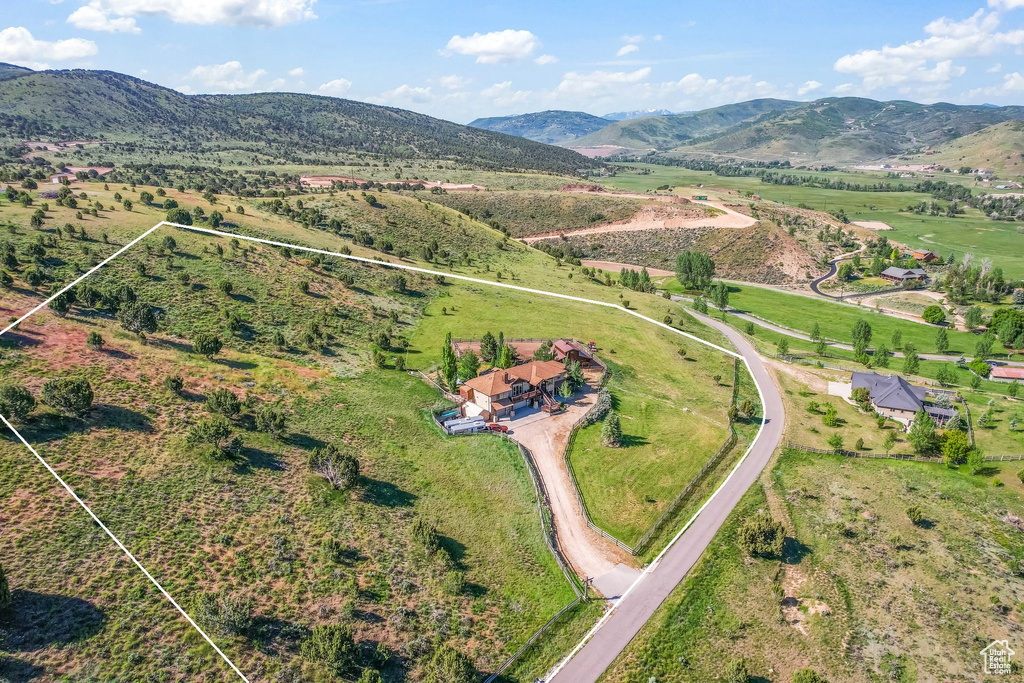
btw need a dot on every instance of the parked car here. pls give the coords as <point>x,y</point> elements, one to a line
<point>494,427</point>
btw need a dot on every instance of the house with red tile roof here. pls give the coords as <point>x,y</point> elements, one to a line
<point>499,393</point>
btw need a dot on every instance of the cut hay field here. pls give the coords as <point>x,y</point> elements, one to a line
<point>673,412</point>
<point>861,593</point>
<point>970,233</point>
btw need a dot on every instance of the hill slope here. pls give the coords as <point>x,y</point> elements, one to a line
<point>110,106</point>
<point>852,129</point>
<point>667,132</point>
<point>550,127</point>
<point>845,129</point>
<point>996,148</point>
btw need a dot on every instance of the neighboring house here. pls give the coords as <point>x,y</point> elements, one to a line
<point>499,393</point>
<point>924,256</point>
<point>902,275</point>
<point>58,177</point>
<point>1005,373</point>
<point>566,348</point>
<point>894,397</point>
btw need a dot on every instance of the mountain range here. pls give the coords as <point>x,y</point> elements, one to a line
<point>638,113</point>
<point>550,127</point>
<point>829,130</point>
<point>104,105</point>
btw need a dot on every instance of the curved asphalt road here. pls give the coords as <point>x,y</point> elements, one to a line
<point>639,604</point>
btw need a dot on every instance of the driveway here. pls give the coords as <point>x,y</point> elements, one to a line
<point>621,624</point>
<point>590,554</point>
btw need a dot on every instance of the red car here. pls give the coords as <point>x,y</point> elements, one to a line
<point>497,427</point>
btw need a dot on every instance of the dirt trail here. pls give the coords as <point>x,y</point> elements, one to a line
<point>658,218</point>
<point>589,553</point>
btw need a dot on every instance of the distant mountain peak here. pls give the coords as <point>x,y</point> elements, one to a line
<point>554,126</point>
<point>638,113</point>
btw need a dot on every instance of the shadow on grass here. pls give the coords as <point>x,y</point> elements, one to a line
<point>236,364</point>
<point>455,549</point>
<point>16,670</point>
<point>50,427</point>
<point>793,551</point>
<point>257,459</point>
<point>39,620</point>
<point>385,494</point>
<point>627,441</point>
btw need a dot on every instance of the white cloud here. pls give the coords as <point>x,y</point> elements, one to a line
<point>297,71</point>
<point>926,66</point>
<point>626,49</point>
<point>808,86</point>
<point>599,83</point>
<point>91,18</point>
<point>1012,84</point>
<point>453,82</point>
<point>698,91</point>
<point>638,38</point>
<point>335,88</point>
<point>1006,4</point>
<point>404,94</point>
<point>496,47</point>
<point>261,13</point>
<point>844,89</point>
<point>19,47</point>
<point>229,76</point>
<point>994,69</point>
<point>544,60</point>
<point>656,38</point>
<point>503,94</point>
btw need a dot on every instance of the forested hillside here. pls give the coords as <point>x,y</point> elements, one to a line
<point>103,105</point>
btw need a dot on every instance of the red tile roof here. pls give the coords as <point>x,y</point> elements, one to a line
<point>498,381</point>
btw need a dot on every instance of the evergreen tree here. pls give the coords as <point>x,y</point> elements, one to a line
<point>469,365</point>
<point>449,364</point>
<point>611,430</point>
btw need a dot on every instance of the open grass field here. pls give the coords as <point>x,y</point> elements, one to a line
<point>673,412</point>
<point>836,320</point>
<point>254,526</point>
<point>861,593</point>
<point>970,233</point>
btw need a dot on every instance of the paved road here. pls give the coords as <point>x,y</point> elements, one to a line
<point>633,611</point>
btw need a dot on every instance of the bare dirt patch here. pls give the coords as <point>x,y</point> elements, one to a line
<point>328,180</point>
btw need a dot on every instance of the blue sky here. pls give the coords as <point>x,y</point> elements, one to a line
<point>463,60</point>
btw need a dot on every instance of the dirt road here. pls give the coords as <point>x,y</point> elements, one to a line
<point>589,554</point>
<point>660,218</point>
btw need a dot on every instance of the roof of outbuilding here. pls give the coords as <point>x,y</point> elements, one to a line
<point>894,271</point>
<point>890,391</point>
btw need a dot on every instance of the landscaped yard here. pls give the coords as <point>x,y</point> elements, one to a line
<point>673,411</point>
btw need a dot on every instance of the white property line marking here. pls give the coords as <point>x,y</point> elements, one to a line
<point>734,354</point>
<point>121,546</point>
<point>387,264</point>
<point>87,274</point>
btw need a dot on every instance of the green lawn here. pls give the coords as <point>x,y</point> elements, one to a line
<point>856,576</point>
<point>836,320</point>
<point>673,412</point>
